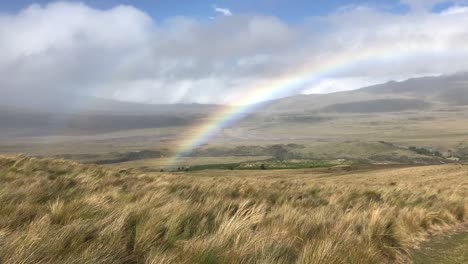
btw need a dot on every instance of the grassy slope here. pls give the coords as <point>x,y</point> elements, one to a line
<point>445,250</point>
<point>64,212</point>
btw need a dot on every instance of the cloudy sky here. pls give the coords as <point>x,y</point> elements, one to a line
<point>172,51</point>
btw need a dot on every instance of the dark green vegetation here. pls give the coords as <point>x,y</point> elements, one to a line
<point>264,165</point>
<point>426,152</point>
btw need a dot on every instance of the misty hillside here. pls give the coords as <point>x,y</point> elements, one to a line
<point>94,105</point>
<point>378,105</point>
<point>392,96</point>
<point>95,115</point>
<point>15,121</point>
<point>451,89</point>
<point>91,115</point>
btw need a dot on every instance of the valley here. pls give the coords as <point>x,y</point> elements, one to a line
<point>368,176</point>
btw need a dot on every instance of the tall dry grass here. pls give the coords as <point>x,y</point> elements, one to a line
<point>64,212</point>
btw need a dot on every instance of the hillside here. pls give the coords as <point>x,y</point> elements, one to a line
<point>451,90</point>
<point>95,105</point>
<point>95,116</point>
<point>377,106</point>
<point>63,212</point>
<point>91,115</point>
<point>413,113</point>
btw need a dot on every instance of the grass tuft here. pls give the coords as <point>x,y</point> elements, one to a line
<point>64,212</point>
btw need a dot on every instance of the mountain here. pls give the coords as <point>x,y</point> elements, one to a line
<point>451,89</point>
<point>93,116</point>
<point>90,115</point>
<point>412,94</point>
<point>378,106</point>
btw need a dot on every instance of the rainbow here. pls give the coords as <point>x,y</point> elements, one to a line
<point>290,81</point>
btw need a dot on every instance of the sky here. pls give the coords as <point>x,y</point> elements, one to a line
<point>162,51</point>
<point>291,11</point>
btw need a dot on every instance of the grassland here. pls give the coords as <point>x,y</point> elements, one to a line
<point>270,164</point>
<point>450,249</point>
<point>346,136</point>
<point>161,163</point>
<point>64,212</point>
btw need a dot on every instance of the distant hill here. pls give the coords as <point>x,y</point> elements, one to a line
<point>25,122</point>
<point>376,106</point>
<point>90,115</point>
<point>452,89</point>
<point>391,96</point>
<point>94,116</point>
<point>92,104</point>
<point>89,104</point>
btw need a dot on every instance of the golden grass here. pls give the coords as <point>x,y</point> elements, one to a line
<point>64,212</point>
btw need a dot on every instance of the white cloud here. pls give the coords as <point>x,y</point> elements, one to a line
<point>427,5</point>
<point>455,10</point>
<point>223,11</point>
<point>331,85</point>
<point>421,4</point>
<point>59,50</point>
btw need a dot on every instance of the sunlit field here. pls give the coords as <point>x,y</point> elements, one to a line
<point>65,212</point>
<point>233,132</point>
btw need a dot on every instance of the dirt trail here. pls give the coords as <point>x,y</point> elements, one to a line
<point>444,250</point>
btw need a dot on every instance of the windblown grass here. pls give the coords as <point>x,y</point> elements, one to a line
<point>64,212</point>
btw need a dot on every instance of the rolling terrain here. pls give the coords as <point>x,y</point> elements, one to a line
<point>386,123</point>
<point>375,175</point>
<point>59,211</point>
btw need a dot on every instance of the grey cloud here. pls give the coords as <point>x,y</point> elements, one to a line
<point>64,49</point>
